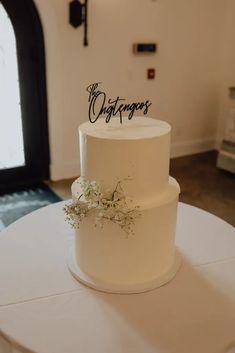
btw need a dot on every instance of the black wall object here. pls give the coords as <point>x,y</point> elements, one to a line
<point>33,95</point>
<point>141,48</point>
<point>78,15</point>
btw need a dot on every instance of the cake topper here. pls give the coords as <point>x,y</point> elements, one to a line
<point>100,105</point>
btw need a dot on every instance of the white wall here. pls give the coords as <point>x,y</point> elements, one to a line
<point>185,93</point>
<point>227,66</point>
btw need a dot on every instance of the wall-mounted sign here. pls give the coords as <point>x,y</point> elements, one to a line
<point>143,48</point>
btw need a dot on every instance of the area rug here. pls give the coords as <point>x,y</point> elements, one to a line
<point>17,204</point>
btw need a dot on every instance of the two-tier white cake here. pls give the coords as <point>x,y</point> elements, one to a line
<point>136,153</point>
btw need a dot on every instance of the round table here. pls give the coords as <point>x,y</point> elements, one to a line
<point>43,309</point>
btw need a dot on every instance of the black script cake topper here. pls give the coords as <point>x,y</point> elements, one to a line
<point>100,105</point>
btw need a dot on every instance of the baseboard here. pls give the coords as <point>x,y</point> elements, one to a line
<point>64,171</point>
<point>180,149</point>
<point>218,143</point>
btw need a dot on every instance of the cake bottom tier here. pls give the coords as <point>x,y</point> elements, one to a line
<point>107,256</point>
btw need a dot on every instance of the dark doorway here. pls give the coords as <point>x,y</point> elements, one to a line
<point>34,164</point>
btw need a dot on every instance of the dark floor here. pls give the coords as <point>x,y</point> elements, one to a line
<point>204,185</point>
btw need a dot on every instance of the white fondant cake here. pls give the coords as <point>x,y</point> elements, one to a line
<point>137,154</point>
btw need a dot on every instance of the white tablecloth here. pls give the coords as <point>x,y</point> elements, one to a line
<point>45,310</point>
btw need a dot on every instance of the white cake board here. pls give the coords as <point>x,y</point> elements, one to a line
<point>82,277</point>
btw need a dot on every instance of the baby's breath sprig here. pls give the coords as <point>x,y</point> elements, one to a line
<point>108,205</point>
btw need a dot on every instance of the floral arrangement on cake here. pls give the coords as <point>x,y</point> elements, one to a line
<point>109,205</point>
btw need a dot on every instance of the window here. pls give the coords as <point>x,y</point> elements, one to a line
<point>11,135</point>
<point>24,145</point>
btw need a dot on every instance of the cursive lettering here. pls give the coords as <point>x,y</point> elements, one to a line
<point>100,105</point>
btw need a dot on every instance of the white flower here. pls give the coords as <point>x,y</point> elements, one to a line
<point>108,205</point>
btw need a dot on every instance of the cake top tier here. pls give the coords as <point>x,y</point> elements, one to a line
<point>136,128</point>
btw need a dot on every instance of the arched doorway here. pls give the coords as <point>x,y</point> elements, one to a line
<point>24,99</point>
